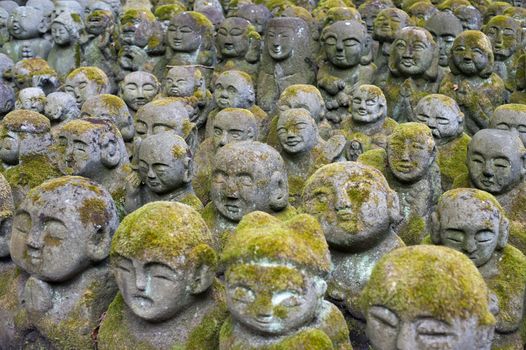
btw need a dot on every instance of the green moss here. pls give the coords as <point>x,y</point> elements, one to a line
<point>452,160</point>
<point>166,12</point>
<point>192,201</point>
<point>377,158</point>
<point>94,211</point>
<point>80,126</point>
<point>134,14</point>
<point>200,19</point>
<point>35,66</point>
<point>413,231</point>
<point>26,121</point>
<point>92,73</point>
<point>8,288</point>
<point>77,181</point>
<point>178,151</point>
<point>32,171</point>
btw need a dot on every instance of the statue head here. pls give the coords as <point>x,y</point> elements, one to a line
<point>353,203</point>
<point>234,89</point>
<point>234,125</point>
<point>31,99</point>
<point>495,8</point>
<point>62,227</point>
<point>26,23</point>
<point>368,104</point>
<point>297,131</point>
<point>85,82</point>
<point>116,6</point>
<point>184,81</point>
<point>469,16</point>
<point>189,32</point>
<point>257,15</point>
<point>162,258</point>
<point>287,37</point>
<point>505,34</point>
<point>248,176</point>
<point>6,66</point>
<point>410,151</point>
<point>61,106</point>
<point>444,27</point>
<point>424,297</point>
<point>7,98</point>
<point>496,160</point>
<point>388,22</point>
<point>275,272</point>
<point>114,109</point>
<point>138,88</point>
<point>421,11</point>
<point>369,10</point>
<point>138,25</point>
<point>345,43</point>
<point>470,221</point>
<point>472,54</point>
<point>303,96</point>
<point>65,29</point>
<point>7,208</point>
<point>442,115</point>
<point>336,14</point>
<point>65,6</point>
<point>510,117</point>
<point>35,72</point>
<point>99,21</point>
<point>237,38</point>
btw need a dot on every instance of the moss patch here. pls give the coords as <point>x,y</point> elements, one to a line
<point>32,171</point>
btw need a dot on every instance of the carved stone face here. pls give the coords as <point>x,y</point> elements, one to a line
<point>351,204</point>
<point>470,17</point>
<point>280,41</point>
<point>258,15</point>
<point>387,23</point>
<point>23,23</point>
<point>309,100</point>
<point>154,120</point>
<point>32,99</point>
<point>278,300</point>
<point>512,118</point>
<point>413,51</point>
<point>368,106</point>
<point>58,105</point>
<point>97,22</point>
<point>297,131</point>
<point>233,126</point>
<point>82,152</point>
<point>440,116</point>
<point>10,148</point>
<point>179,82</point>
<point>231,38</point>
<point>495,161</point>
<point>60,34</point>
<point>505,36</point>
<point>444,27</point>
<point>410,154</point>
<point>344,43</point>
<point>112,108</point>
<point>182,34</point>
<point>139,88</point>
<point>81,87</point>
<point>369,12</point>
<point>469,53</point>
<point>234,91</point>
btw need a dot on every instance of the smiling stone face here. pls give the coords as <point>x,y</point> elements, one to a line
<point>388,22</point>
<point>368,104</point>
<point>510,117</point>
<point>231,38</point>
<point>412,51</point>
<point>138,89</point>
<point>505,35</point>
<point>86,82</point>
<point>344,43</point>
<point>297,131</point>
<point>471,53</point>
<point>441,114</point>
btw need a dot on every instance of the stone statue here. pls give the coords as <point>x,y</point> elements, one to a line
<point>235,89</point>
<point>31,99</point>
<point>34,72</point>
<point>421,11</point>
<point>495,8</point>
<point>357,211</point>
<point>85,82</point>
<point>60,107</point>
<point>4,32</point>
<point>345,66</point>
<point>426,297</point>
<point>286,60</point>
<point>258,15</point>
<point>165,168</point>
<point>64,6</point>
<point>369,10</point>
<point>336,14</point>
<point>519,95</point>
<point>413,71</point>
<point>6,66</point>
<point>7,99</point>
<point>473,222</point>
<point>469,16</point>
<point>238,47</point>
<point>167,296</point>
<point>510,117</point>
<point>61,239</point>
<point>47,7</point>
<point>26,25</point>
<point>66,53</point>
<point>229,125</point>
<point>518,14</point>
<point>443,116</point>
<point>246,176</point>
<point>471,81</point>
<point>275,281</point>
<point>138,89</point>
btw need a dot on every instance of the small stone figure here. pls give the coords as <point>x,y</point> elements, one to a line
<point>357,211</point>
<point>426,297</point>
<point>66,53</point>
<point>26,25</point>
<point>165,168</point>
<point>258,15</point>
<point>471,82</point>
<point>510,117</point>
<point>60,107</point>
<point>7,99</point>
<point>275,281</point>
<point>138,89</point>
<point>495,8</point>
<point>336,14</point>
<point>86,82</point>
<point>469,16</point>
<point>369,10</point>
<point>31,99</point>
<point>61,238</point>
<point>443,116</point>
<point>174,272</point>
<point>473,222</point>
<point>286,60</point>
<point>246,176</point>
<point>6,65</point>
<point>519,95</point>
<point>344,66</point>
<point>420,12</point>
<point>35,72</point>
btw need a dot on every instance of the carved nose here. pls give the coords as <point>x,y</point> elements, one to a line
<point>34,239</point>
<point>404,341</point>
<point>488,170</point>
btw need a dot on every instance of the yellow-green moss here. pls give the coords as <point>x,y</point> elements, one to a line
<point>76,181</point>
<point>377,158</point>
<point>26,121</point>
<point>94,211</point>
<point>32,171</point>
<point>8,288</point>
<point>133,14</point>
<point>413,230</point>
<point>35,66</point>
<point>166,12</point>
<point>452,159</point>
<point>92,73</point>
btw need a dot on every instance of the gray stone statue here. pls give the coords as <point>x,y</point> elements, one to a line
<point>7,99</point>
<point>31,99</point>
<point>86,82</point>
<point>60,107</point>
<point>138,89</point>
<point>258,15</point>
<point>34,72</point>
<point>66,53</point>
<point>469,16</point>
<point>510,117</point>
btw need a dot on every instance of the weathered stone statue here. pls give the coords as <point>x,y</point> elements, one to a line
<point>426,297</point>
<point>275,282</point>
<point>61,238</point>
<point>138,89</point>
<point>85,82</point>
<point>168,298</point>
<point>34,72</point>
<point>421,11</point>
<point>7,99</point>
<point>413,71</point>
<point>246,176</point>
<point>471,81</point>
<point>510,117</point>
<point>31,99</point>
<point>60,107</point>
<point>469,16</point>
<point>26,25</point>
<point>473,222</point>
<point>443,116</point>
<point>4,32</point>
<point>369,126</point>
<point>519,95</point>
<point>336,14</point>
<point>344,66</point>
<point>286,60</point>
<point>66,53</point>
<point>495,8</point>
<point>357,211</point>
<point>6,66</point>
<point>369,10</point>
<point>258,15</point>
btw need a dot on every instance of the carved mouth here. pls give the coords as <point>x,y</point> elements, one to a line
<point>143,299</point>
<point>487,183</point>
<point>403,167</point>
<point>292,143</point>
<point>345,215</point>
<point>408,63</point>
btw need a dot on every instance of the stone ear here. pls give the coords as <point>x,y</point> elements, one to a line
<point>43,25</point>
<point>99,242</point>
<point>504,231</point>
<point>110,153</point>
<point>393,206</point>
<point>279,192</point>
<point>435,228</point>
<point>204,268</point>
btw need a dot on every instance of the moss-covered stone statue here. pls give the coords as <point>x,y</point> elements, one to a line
<point>474,223</point>
<point>469,16</point>
<point>420,12</point>
<point>345,65</point>
<point>427,297</point>
<point>85,82</point>
<point>34,72</point>
<point>60,107</point>
<point>61,241</point>
<point>66,53</point>
<point>369,126</point>
<point>257,15</point>
<point>519,95</point>
<point>246,176</point>
<point>163,259</point>
<point>471,82</point>
<point>369,10</point>
<point>510,117</point>
<point>357,211</point>
<point>286,60</point>
<point>31,99</point>
<point>275,282</point>
<point>443,116</point>
<point>138,89</point>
